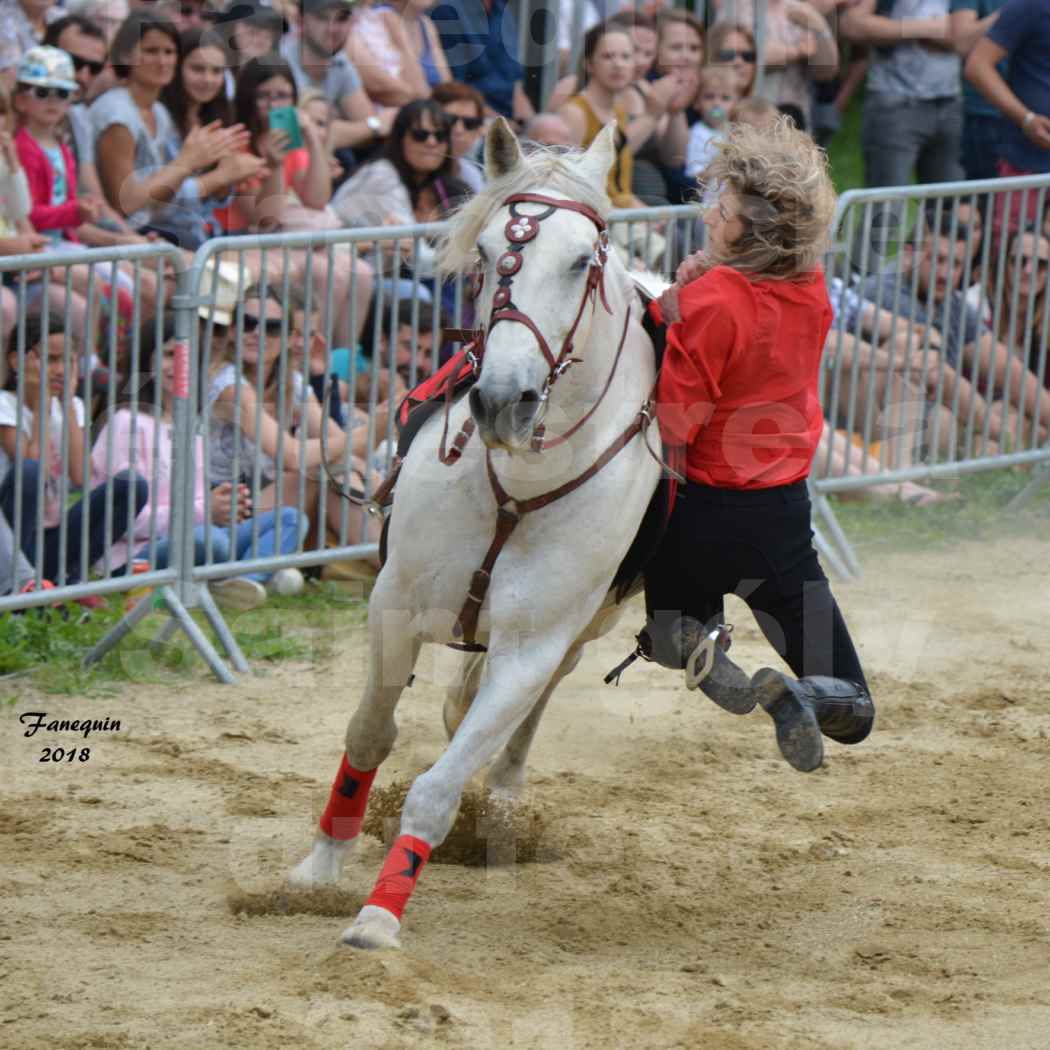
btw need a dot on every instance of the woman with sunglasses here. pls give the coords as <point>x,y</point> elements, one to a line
<point>733,44</point>
<point>264,420</point>
<point>416,181</point>
<point>465,112</point>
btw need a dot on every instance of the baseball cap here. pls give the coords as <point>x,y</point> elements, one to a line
<point>44,66</point>
<point>325,5</point>
<point>255,12</point>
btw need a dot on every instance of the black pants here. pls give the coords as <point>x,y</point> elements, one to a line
<point>757,544</point>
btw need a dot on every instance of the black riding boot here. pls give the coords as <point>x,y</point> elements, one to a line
<point>701,651</point>
<point>804,709</point>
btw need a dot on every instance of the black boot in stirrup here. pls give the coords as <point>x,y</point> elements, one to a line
<point>716,676</point>
<point>804,709</point>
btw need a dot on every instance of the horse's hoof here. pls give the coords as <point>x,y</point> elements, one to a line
<point>374,927</point>
<point>323,867</point>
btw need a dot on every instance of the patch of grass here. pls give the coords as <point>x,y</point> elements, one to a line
<point>979,513</point>
<point>844,153</point>
<point>46,647</point>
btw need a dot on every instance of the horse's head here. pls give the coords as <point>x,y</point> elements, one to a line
<point>542,255</point>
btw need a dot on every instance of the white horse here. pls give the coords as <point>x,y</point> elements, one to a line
<point>563,346</point>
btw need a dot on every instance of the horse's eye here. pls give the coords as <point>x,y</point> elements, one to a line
<point>483,256</point>
<point>581,263</point>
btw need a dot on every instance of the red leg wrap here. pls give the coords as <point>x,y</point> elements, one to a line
<point>345,812</point>
<point>401,871</point>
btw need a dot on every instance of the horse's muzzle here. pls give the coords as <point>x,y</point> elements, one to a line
<point>508,421</point>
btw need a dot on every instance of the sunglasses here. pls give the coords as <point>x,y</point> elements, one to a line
<point>44,93</point>
<point>469,123</point>
<point>271,325</point>
<point>729,55</point>
<point>87,63</point>
<point>422,135</point>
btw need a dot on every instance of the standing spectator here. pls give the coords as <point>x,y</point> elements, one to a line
<point>983,127</point>
<point>733,44</point>
<point>465,112</point>
<point>317,57</point>
<point>378,48</point>
<point>912,122</point>
<point>480,39</point>
<point>133,129</point>
<point>423,54</point>
<point>1021,35</point>
<point>800,49</point>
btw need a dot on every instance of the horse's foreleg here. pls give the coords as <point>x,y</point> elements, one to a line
<point>507,775</point>
<point>370,737</point>
<point>512,687</point>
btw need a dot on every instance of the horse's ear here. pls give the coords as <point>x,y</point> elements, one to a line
<point>502,152</point>
<point>596,163</point>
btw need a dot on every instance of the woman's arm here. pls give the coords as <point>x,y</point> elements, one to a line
<point>128,193</point>
<point>9,439</point>
<point>381,86</point>
<point>437,51</point>
<point>314,185</point>
<point>573,116</point>
<point>76,445</point>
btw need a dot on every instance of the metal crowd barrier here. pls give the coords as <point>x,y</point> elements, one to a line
<point>297,446</point>
<point>936,365</point>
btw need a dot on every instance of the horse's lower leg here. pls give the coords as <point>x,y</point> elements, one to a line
<point>370,737</point>
<point>510,693</point>
<point>507,775</point>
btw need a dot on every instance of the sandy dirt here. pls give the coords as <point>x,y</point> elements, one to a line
<point>687,888</point>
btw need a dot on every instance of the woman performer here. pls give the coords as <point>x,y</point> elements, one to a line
<point>739,390</point>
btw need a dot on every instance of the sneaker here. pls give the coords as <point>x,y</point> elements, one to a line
<point>238,593</point>
<point>286,581</point>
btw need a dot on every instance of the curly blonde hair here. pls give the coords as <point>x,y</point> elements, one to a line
<point>787,200</point>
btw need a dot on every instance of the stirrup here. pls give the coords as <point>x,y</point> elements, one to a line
<point>702,658</point>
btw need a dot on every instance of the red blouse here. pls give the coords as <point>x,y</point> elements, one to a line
<point>739,383</point>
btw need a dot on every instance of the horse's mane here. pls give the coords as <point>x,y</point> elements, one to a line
<point>552,168</point>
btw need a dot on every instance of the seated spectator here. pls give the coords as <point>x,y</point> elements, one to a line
<point>22,26</point>
<point>936,264</point>
<point>141,440</point>
<point>416,181</point>
<point>292,193</point>
<point>250,29</point>
<point>196,98</point>
<point>714,101</point>
<point>800,49</point>
<point>85,43</point>
<point>1021,38</point>
<point>474,37</point>
<point>279,434</point>
<point>1026,274</point>
<point>134,131</point>
<point>53,445</point>
<point>317,57</point>
<point>465,112</point>
<point>733,44</point>
<point>606,70</point>
<point>397,51</point>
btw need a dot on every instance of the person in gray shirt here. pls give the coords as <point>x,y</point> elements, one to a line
<point>912,121</point>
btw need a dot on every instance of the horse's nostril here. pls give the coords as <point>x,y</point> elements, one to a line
<point>530,397</point>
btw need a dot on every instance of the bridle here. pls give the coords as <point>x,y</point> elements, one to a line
<point>519,230</point>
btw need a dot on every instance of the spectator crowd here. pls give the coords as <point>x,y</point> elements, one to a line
<point>128,122</point>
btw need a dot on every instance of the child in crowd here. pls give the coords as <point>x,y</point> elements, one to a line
<point>755,111</point>
<point>140,438</point>
<point>41,102</point>
<point>714,101</point>
<point>52,443</point>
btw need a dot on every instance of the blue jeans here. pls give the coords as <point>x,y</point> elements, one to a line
<point>128,490</point>
<point>235,544</point>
